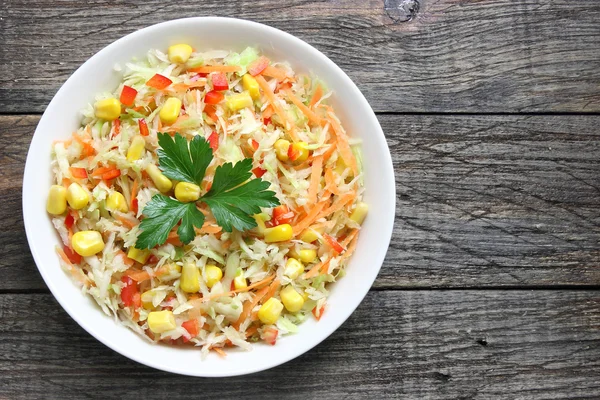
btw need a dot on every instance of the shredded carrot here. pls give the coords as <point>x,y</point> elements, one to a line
<point>268,112</point>
<point>246,289</point>
<point>209,228</point>
<point>315,179</point>
<point>103,170</point>
<point>219,351</point>
<point>249,305</point>
<point>337,205</point>
<point>66,182</point>
<point>126,260</point>
<point>329,152</point>
<point>309,219</point>
<point>88,149</point>
<point>274,72</point>
<point>182,87</point>
<point>273,101</point>
<point>74,271</point>
<point>314,271</point>
<point>342,144</point>
<point>251,330</point>
<point>134,192</point>
<point>141,276</point>
<point>207,69</point>
<point>126,221</point>
<point>312,117</point>
<point>316,96</point>
<point>272,289</point>
<point>330,181</point>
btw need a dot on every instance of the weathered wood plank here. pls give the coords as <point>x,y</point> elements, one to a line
<point>482,201</point>
<point>454,56</point>
<point>415,344</point>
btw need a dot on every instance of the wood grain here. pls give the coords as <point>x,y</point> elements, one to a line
<point>482,201</point>
<point>415,344</point>
<point>455,56</point>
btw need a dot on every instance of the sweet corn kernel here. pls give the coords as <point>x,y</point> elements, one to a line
<point>57,200</point>
<point>116,202</point>
<point>239,282</point>
<point>307,255</point>
<point>292,300</point>
<point>305,295</point>
<point>237,101</point>
<point>136,149</point>
<point>190,278</point>
<point>172,271</point>
<point>87,243</point>
<point>279,233</point>
<point>77,197</point>
<point>270,311</point>
<point>108,109</point>
<point>311,234</point>
<point>340,166</point>
<point>260,223</point>
<point>293,268</point>
<point>359,213</point>
<point>187,192</point>
<point>161,321</point>
<point>301,148</point>
<point>213,275</point>
<point>147,297</point>
<point>281,147</point>
<point>138,255</point>
<point>161,182</point>
<point>250,84</point>
<point>170,110</point>
<point>179,53</point>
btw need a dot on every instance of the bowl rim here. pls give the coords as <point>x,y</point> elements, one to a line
<point>29,224</point>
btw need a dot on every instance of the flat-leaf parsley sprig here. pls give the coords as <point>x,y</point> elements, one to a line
<point>232,199</point>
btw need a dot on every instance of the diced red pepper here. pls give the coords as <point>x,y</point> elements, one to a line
<point>69,221</point>
<point>333,243</point>
<point>134,206</point>
<point>258,66</point>
<point>254,144</point>
<point>219,81</point>
<point>270,335</point>
<point>79,173</point>
<point>282,215</point>
<point>201,75</point>
<point>259,172</point>
<point>115,173</point>
<point>213,97</point>
<point>213,141</point>
<point>192,326</point>
<point>211,112</point>
<point>318,313</point>
<point>267,121</point>
<point>130,294</point>
<point>152,259</point>
<point>143,127</point>
<point>116,127</point>
<point>128,95</point>
<point>71,255</point>
<point>159,82</point>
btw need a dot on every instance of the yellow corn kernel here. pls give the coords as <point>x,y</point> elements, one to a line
<point>57,200</point>
<point>213,275</point>
<point>138,255</point>
<point>279,233</point>
<point>170,110</point>
<point>250,84</point>
<point>292,300</point>
<point>136,149</point>
<point>311,234</point>
<point>161,182</point>
<point>359,213</point>
<point>161,321</point>
<point>171,273</point>
<point>239,282</point>
<point>116,202</point>
<point>237,101</point>
<point>270,311</point>
<point>307,255</point>
<point>179,53</point>
<point>108,109</point>
<point>87,243</point>
<point>77,197</point>
<point>190,278</point>
<point>260,222</point>
<point>301,148</point>
<point>281,147</point>
<point>187,192</point>
<point>147,297</point>
<point>293,268</point>
<point>340,166</point>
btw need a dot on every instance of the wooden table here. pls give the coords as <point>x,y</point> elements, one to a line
<point>491,285</point>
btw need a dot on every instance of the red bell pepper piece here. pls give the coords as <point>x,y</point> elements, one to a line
<point>128,95</point>
<point>259,172</point>
<point>219,81</point>
<point>258,65</point>
<point>213,141</point>
<point>71,255</point>
<point>267,121</point>
<point>159,82</point>
<point>134,206</point>
<point>115,173</point>
<point>333,243</point>
<point>318,313</point>
<point>116,128</point>
<point>213,97</point>
<point>143,127</point>
<point>270,335</point>
<point>79,173</point>
<point>69,221</point>
<point>254,144</point>
<point>282,215</point>
<point>130,295</point>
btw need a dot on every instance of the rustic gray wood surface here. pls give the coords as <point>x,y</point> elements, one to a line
<point>490,288</point>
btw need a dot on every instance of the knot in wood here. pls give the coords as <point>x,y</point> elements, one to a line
<point>401,10</point>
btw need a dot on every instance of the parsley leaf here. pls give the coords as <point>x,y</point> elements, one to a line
<point>162,214</point>
<point>181,163</point>
<point>232,203</point>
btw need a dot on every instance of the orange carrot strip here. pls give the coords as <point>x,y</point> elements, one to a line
<point>246,289</point>
<point>102,170</point>
<point>126,221</point>
<point>141,276</point>
<point>219,351</point>
<point>310,217</point>
<point>315,179</point>
<point>249,305</point>
<point>182,87</point>
<point>251,330</point>
<point>314,271</point>
<point>337,205</point>
<point>351,247</point>
<point>343,145</point>
<point>274,72</point>
<point>316,96</point>
<point>329,152</point>
<point>330,181</point>
<point>126,260</point>
<point>312,117</point>
<point>273,100</point>
<point>272,289</point>
<point>207,69</point>
<point>134,192</point>
<point>75,272</point>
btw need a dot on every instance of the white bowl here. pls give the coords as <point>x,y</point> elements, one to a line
<point>62,117</point>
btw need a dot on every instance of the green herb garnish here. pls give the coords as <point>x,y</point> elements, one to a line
<point>233,199</point>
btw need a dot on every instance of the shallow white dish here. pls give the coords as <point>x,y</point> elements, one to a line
<point>62,117</point>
